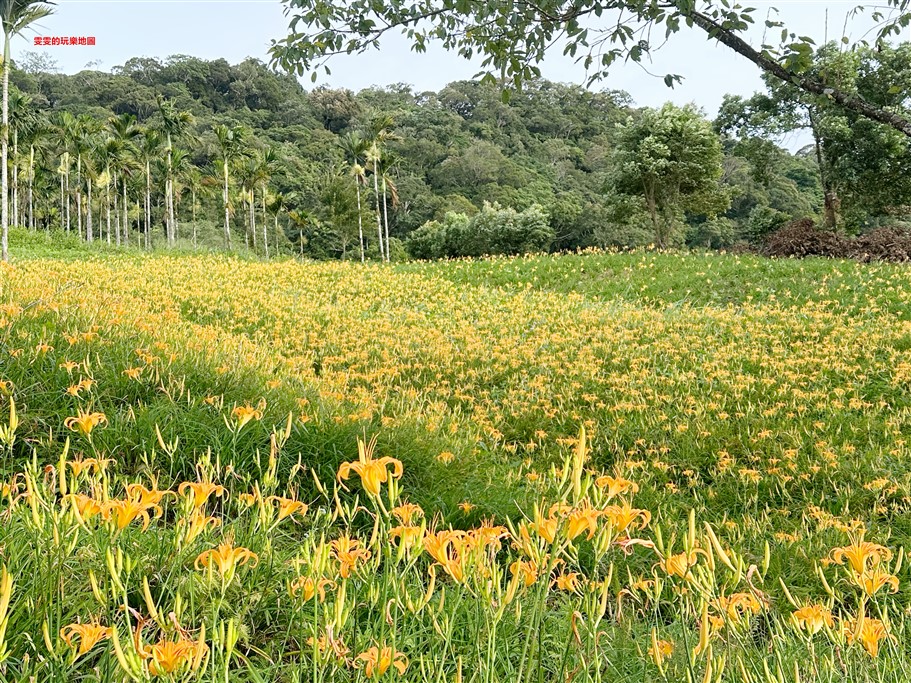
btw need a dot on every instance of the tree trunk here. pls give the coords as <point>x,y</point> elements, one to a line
<point>79,194</point>
<point>126,214</point>
<point>116,212</point>
<point>89,233</point>
<point>360,218</point>
<point>61,206</point>
<point>265,235</point>
<point>15,220</point>
<point>148,206</point>
<point>31,178</point>
<point>653,214</point>
<point>169,200</point>
<point>376,194</point>
<point>194,217</point>
<point>252,212</point>
<point>107,203</point>
<point>275,232</point>
<point>4,152</point>
<point>830,219</point>
<point>386,219</point>
<point>227,216</point>
<point>67,196</point>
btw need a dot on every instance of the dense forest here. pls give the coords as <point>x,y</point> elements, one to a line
<point>192,152</point>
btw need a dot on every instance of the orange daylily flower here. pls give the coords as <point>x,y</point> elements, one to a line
<point>582,519</point>
<point>148,497</point>
<point>378,660</point>
<point>94,464</point>
<point>859,553</point>
<point>546,527</point>
<point>168,657</point>
<point>407,513</point>
<point>488,535</point>
<point>288,506</point>
<point>196,524</point>
<point>372,471</point>
<point>660,650</point>
<point>244,414</point>
<point>348,552</point>
<point>625,517</point>
<point>89,636</point>
<point>87,506</point>
<point>226,558</point>
<point>866,631</point>
<point>446,548</point>
<point>872,580</point>
<point>813,618</point>
<point>680,564</point>
<point>739,604</point>
<point>123,512</point>
<point>308,587</point>
<point>85,422</point>
<point>568,582</point>
<point>201,491</point>
<point>526,570</point>
<point>409,536</point>
<point>615,486</point>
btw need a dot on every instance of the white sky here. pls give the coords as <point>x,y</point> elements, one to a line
<point>235,29</point>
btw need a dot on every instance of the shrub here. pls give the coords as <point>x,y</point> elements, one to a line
<point>494,230</point>
<point>764,220</point>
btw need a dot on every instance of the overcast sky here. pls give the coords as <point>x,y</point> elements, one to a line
<point>235,29</point>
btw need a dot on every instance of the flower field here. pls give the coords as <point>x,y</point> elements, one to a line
<point>602,467</point>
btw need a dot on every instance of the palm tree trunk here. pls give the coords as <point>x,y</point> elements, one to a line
<point>386,218</point>
<point>252,207</point>
<point>61,206</point>
<point>16,220</point>
<point>116,211</point>
<point>169,200</point>
<point>67,197</point>
<point>227,216</point>
<point>4,152</point>
<point>89,233</point>
<point>107,203</point>
<point>79,194</point>
<point>376,194</point>
<point>148,206</point>
<point>265,233</point>
<point>194,217</point>
<point>31,178</point>
<point>275,232</point>
<point>360,217</point>
<point>126,215</point>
